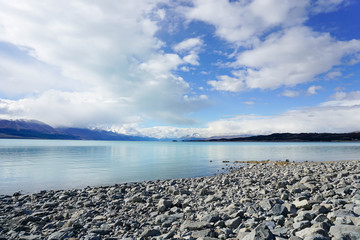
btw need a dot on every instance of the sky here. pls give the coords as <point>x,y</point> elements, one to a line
<point>164,68</point>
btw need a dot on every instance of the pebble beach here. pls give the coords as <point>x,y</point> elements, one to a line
<point>254,201</point>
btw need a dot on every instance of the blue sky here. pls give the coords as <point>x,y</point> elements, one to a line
<point>175,68</point>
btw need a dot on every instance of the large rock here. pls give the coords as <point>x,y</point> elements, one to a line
<point>343,191</point>
<point>62,234</point>
<point>318,209</point>
<point>317,237</point>
<point>150,233</point>
<point>279,209</point>
<point>192,225</point>
<point>134,199</point>
<point>341,213</point>
<point>291,208</point>
<point>164,204</point>
<point>349,232</point>
<point>210,218</point>
<point>304,204</point>
<point>357,210</point>
<point>50,205</point>
<point>202,233</point>
<point>301,225</point>
<point>320,218</point>
<point>306,179</point>
<point>303,216</point>
<point>242,235</point>
<point>311,231</point>
<point>212,198</point>
<point>164,219</point>
<point>261,232</point>
<point>99,218</point>
<point>233,223</point>
<point>100,231</point>
<point>266,204</point>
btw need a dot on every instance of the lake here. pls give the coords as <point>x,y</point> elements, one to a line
<point>34,165</point>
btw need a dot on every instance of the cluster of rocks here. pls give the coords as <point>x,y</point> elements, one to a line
<point>309,200</point>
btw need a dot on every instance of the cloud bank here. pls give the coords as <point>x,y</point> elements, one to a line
<point>121,64</point>
<point>88,60</point>
<point>341,115</point>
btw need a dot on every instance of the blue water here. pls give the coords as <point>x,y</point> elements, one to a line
<point>34,165</point>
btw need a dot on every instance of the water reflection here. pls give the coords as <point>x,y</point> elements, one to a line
<point>33,165</point>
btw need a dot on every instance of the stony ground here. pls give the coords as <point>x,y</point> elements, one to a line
<point>295,201</point>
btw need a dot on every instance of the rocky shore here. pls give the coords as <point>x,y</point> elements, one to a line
<point>310,201</point>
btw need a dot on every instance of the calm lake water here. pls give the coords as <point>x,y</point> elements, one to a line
<point>34,165</point>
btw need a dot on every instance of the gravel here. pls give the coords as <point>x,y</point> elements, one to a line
<point>262,201</point>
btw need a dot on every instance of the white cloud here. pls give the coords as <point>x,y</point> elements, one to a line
<point>344,99</point>
<point>164,95</point>
<point>249,102</point>
<point>161,14</point>
<point>192,59</point>
<point>301,55</point>
<point>327,5</point>
<point>312,90</point>
<point>289,93</point>
<point>103,48</point>
<point>295,121</point>
<point>340,115</point>
<point>355,59</point>
<point>227,83</point>
<point>281,51</point>
<point>84,41</point>
<point>161,64</point>
<point>16,74</point>
<point>306,120</point>
<point>59,108</point>
<point>334,75</point>
<point>242,22</point>
<point>185,69</point>
<point>191,44</point>
<point>339,95</point>
<point>190,99</point>
<point>191,47</point>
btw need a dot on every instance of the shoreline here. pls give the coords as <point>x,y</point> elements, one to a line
<point>301,200</point>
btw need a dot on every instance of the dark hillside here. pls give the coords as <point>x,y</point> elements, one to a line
<point>297,137</point>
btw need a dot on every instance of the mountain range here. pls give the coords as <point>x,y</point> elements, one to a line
<point>294,137</point>
<point>32,129</point>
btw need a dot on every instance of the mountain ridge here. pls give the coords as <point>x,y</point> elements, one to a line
<point>294,137</point>
<point>33,129</point>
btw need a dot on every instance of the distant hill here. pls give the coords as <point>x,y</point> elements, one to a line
<point>32,129</point>
<point>295,137</point>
